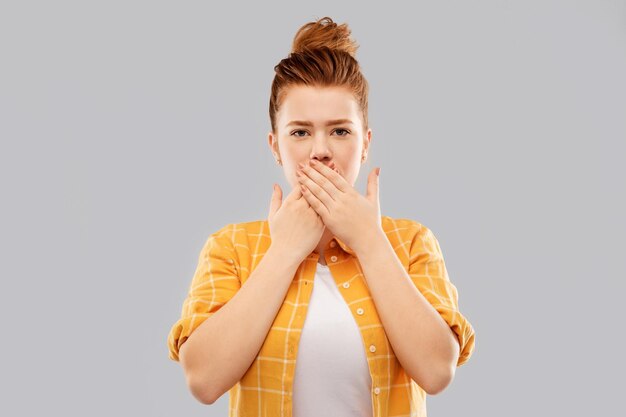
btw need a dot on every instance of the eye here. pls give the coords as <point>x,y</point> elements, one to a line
<point>347,132</point>
<point>295,131</point>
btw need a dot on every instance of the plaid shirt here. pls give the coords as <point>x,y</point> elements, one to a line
<point>231,254</point>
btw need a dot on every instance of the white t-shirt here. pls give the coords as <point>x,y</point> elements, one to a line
<point>332,377</point>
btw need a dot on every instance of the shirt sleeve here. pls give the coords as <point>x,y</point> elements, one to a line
<point>428,272</point>
<point>214,282</point>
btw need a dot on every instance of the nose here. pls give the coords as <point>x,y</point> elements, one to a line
<point>325,160</point>
<point>321,152</point>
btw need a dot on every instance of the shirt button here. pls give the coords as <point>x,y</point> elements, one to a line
<point>333,258</point>
<point>333,244</point>
<point>346,284</point>
<point>372,348</point>
<point>359,311</point>
<point>376,390</point>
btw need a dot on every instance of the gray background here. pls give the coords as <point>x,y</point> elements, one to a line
<point>132,130</point>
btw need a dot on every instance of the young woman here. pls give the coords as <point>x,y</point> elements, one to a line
<point>327,308</point>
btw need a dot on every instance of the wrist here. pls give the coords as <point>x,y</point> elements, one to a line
<point>371,240</point>
<point>285,254</point>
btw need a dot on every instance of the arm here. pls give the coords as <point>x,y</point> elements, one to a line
<point>219,313</point>
<point>211,364</point>
<point>418,309</point>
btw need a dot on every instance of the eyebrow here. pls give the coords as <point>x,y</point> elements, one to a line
<point>329,123</point>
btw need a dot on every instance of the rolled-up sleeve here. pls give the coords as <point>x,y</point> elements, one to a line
<point>428,272</point>
<point>214,282</point>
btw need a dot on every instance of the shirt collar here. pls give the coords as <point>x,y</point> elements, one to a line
<point>343,246</point>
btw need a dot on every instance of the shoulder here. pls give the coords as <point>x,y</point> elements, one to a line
<point>234,230</point>
<point>403,228</point>
<point>415,243</point>
<point>410,234</point>
<point>249,234</point>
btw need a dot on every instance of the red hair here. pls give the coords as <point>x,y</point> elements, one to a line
<point>322,55</point>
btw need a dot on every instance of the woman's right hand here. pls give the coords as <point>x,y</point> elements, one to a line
<point>295,227</point>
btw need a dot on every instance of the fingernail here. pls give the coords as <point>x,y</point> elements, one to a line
<point>378,171</point>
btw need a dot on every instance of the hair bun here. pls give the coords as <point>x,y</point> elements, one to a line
<point>324,33</point>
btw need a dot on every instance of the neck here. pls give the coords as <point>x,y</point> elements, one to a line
<point>327,236</point>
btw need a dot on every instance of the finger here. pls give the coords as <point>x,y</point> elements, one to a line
<point>319,184</point>
<point>372,192</point>
<point>276,201</point>
<point>332,173</point>
<point>302,189</point>
<point>319,190</point>
<point>297,190</point>
<point>294,194</point>
<point>315,203</point>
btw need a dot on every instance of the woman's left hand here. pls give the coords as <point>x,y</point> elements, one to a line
<point>351,217</point>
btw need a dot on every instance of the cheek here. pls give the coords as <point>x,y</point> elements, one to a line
<point>290,174</point>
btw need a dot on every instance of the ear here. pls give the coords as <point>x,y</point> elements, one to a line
<point>366,140</point>
<point>272,141</point>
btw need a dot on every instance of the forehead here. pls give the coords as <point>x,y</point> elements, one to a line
<point>318,104</point>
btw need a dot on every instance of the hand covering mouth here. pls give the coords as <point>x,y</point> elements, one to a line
<point>334,168</point>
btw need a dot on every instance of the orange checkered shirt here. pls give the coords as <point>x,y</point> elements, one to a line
<point>231,254</point>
